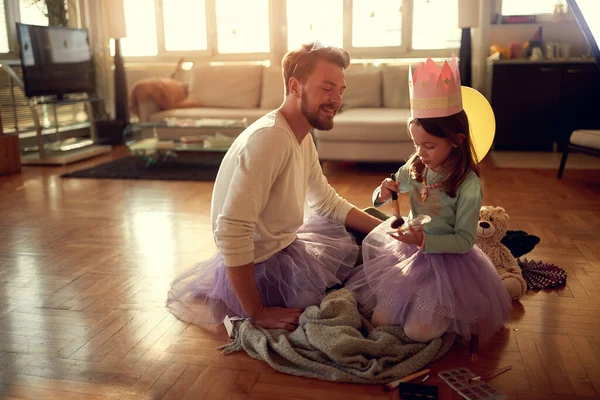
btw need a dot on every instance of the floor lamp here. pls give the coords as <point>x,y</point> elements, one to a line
<point>117,31</point>
<point>468,17</point>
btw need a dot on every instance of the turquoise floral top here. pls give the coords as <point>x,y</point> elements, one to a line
<point>453,225</point>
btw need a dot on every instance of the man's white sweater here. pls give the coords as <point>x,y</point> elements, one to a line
<point>261,188</point>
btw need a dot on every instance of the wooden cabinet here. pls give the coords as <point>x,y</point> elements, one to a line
<point>580,100</point>
<point>538,105</point>
<point>10,156</point>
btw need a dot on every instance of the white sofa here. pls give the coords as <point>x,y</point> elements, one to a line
<point>370,127</point>
<point>231,91</point>
<point>372,124</point>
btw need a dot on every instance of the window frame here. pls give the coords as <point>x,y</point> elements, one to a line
<point>277,36</point>
<point>382,51</point>
<point>211,53</point>
<point>539,17</point>
<point>11,9</point>
<point>6,20</point>
<point>278,39</point>
<point>19,121</point>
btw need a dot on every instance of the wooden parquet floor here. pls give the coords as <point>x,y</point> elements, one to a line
<point>85,265</point>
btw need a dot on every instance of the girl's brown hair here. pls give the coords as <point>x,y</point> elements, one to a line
<point>462,159</point>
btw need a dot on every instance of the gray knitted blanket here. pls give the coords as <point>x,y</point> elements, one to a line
<point>334,342</point>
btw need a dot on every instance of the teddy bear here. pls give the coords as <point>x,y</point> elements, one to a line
<point>491,228</point>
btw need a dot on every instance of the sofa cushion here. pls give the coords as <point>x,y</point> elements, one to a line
<point>368,124</point>
<point>586,138</point>
<point>273,90</point>
<point>363,87</point>
<point>252,114</point>
<point>395,86</point>
<point>230,86</point>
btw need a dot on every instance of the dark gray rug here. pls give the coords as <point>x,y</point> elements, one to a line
<point>202,168</point>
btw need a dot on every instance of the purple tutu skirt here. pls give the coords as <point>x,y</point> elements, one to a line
<point>322,255</point>
<point>399,280</point>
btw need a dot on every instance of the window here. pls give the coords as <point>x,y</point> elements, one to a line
<point>376,24</point>
<point>3,29</point>
<point>529,7</point>
<point>435,24</point>
<point>33,12</point>
<point>242,26</point>
<point>309,20</point>
<point>160,27</point>
<point>17,116</point>
<point>590,10</point>
<point>11,99</point>
<point>184,25</point>
<point>140,20</point>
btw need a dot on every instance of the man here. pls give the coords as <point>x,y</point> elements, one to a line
<point>270,264</point>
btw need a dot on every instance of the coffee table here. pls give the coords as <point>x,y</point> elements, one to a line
<point>182,139</point>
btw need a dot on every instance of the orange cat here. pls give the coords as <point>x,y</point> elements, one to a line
<point>167,93</point>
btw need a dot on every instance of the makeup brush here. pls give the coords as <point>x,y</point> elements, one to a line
<point>393,385</point>
<point>489,375</point>
<point>397,221</point>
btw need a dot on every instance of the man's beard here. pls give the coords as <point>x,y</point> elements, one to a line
<point>312,116</point>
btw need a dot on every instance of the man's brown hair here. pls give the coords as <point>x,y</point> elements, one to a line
<point>301,63</point>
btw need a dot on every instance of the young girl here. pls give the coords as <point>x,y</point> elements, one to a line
<point>433,279</point>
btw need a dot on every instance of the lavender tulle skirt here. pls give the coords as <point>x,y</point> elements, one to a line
<point>400,281</point>
<point>322,255</point>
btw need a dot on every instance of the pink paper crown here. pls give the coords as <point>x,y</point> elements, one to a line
<point>434,91</point>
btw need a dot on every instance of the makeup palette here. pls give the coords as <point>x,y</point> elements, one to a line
<point>458,379</point>
<point>418,391</point>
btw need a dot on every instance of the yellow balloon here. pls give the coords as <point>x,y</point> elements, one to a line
<point>481,120</point>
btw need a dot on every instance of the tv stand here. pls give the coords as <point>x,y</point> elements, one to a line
<point>59,152</point>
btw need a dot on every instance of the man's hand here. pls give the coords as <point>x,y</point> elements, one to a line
<point>243,282</point>
<point>277,318</point>
<point>412,236</point>
<point>387,187</point>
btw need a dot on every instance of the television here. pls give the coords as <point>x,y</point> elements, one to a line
<point>587,14</point>
<point>55,60</point>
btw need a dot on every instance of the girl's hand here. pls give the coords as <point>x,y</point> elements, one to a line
<point>387,187</point>
<point>412,236</point>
